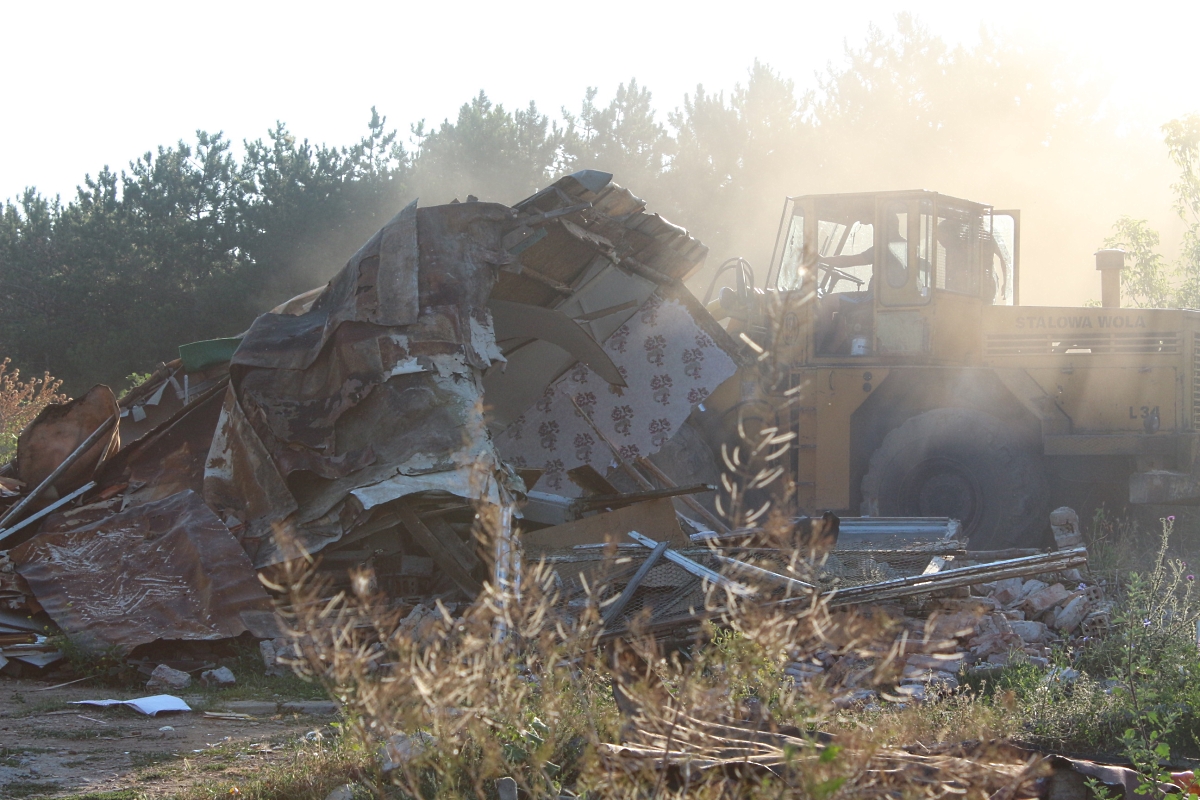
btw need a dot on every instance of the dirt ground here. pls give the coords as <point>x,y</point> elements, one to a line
<point>49,748</point>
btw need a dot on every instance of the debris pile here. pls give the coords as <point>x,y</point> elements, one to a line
<point>544,359</point>
<point>950,622</point>
<point>468,353</point>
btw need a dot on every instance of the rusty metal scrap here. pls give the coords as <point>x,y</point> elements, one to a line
<point>46,448</point>
<point>352,417</point>
<point>167,569</point>
<point>1056,561</point>
<point>363,401</point>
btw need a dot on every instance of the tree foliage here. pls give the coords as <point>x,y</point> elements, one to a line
<point>1150,280</point>
<point>191,241</point>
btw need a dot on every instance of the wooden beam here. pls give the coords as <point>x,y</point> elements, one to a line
<point>618,500</point>
<point>690,502</point>
<point>463,554</point>
<point>443,553</point>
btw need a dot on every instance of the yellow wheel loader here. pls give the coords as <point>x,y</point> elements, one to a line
<point>916,384</point>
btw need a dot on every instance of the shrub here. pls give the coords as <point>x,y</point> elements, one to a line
<point>20,402</point>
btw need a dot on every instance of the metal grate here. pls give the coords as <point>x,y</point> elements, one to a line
<point>1080,343</point>
<point>670,592</point>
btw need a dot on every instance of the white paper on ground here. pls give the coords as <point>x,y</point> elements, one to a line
<point>147,705</point>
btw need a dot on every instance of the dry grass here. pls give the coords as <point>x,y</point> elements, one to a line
<point>517,687</point>
<point>514,688</point>
<point>310,771</point>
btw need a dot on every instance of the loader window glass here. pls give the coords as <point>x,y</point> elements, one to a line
<point>925,247</point>
<point>846,256</point>
<point>895,260</point>
<point>791,268</point>
<point>958,233</point>
<point>908,248</point>
<point>1000,284</point>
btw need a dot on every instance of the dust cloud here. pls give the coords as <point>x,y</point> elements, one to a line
<point>1014,124</point>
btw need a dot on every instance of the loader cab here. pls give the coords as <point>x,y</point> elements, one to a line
<point>873,269</point>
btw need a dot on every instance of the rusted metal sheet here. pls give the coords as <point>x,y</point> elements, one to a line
<point>341,403</point>
<point>241,482</point>
<point>396,280</point>
<point>368,394</point>
<point>164,570</point>
<point>459,251</point>
<point>57,431</point>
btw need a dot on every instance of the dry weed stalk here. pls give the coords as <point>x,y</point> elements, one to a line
<point>516,687</point>
<point>527,686</point>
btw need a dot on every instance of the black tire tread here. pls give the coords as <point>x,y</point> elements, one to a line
<point>1016,495</point>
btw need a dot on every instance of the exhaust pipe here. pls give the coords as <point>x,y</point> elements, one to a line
<point>1110,263</point>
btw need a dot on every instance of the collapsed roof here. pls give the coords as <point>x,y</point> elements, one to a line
<point>466,353</point>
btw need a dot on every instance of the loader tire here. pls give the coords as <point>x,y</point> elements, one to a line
<point>967,465</point>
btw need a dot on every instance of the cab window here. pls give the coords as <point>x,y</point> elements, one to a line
<point>791,268</point>
<point>908,248</point>
<point>958,238</point>
<point>999,284</point>
<point>850,251</point>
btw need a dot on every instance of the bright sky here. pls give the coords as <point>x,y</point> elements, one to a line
<point>88,84</point>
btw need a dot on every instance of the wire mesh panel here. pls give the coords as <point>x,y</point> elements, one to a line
<point>597,576</point>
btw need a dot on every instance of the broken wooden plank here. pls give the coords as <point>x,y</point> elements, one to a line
<point>690,502</point>
<point>439,551</point>
<point>625,499</point>
<point>614,611</point>
<point>462,553</point>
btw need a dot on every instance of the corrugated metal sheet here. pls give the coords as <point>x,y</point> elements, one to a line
<point>164,570</point>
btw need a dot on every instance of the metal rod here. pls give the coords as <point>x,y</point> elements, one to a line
<point>57,504</point>
<point>751,570</point>
<point>699,570</point>
<point>976,572</point>
<point>1052,562</point>
<point>614,611</point>
<point>66,464</point>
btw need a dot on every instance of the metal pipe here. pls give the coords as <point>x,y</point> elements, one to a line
<point>614,611</point>
<point>1110,263</point>
<point>699,570</point>
<point>66,464</point>
<point>50,509</point>
<point>765,575</point>
<point>962,576</point>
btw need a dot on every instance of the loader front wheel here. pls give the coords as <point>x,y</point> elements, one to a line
<point>967,465</point>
